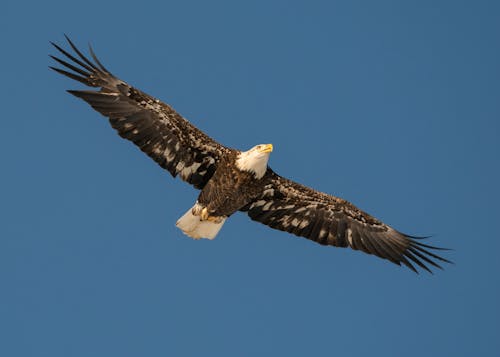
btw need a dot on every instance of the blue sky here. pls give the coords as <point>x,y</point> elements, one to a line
<point>393,105</point>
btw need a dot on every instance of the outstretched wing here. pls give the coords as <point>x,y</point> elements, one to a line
<point>328,220</point>
<point>157,129</point>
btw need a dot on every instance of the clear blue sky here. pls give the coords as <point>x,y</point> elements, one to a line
<point>393,105</point>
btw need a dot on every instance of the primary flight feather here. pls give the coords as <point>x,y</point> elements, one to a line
<point>231,180</point>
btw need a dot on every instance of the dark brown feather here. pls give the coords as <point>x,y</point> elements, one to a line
<point>334,221</point>
<point>159,131</point>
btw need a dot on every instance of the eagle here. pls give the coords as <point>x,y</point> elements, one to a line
<point>232,180</point>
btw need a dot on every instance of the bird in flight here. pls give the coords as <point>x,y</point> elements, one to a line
<point>231,180</point>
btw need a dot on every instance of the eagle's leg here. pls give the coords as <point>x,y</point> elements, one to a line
<point>197,223</point>
<point>205,216</point>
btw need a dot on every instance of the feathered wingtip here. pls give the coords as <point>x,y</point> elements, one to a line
<point>89,73</point>
<point>420,254</point>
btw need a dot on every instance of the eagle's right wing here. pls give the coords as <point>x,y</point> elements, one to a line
<point>291,207</point>
<point>156,128</point>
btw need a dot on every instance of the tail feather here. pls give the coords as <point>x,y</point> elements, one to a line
<point>193,226</point>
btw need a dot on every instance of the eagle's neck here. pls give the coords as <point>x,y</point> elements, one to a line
<point>253,162</point>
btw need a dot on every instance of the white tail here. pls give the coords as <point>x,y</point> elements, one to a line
<point>193,226</point>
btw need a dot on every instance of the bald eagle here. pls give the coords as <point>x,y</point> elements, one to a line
<point>231,180</point>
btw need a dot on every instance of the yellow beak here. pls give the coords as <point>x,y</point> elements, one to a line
<point>266,148</point>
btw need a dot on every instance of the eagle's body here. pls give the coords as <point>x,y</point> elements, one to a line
<point>230,188</point>
<point>238,181</point>
<point>231,180</point>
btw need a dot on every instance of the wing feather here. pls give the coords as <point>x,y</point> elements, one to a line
<point>288,206</point>
<point>156,128</point>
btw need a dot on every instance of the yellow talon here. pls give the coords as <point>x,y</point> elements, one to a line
<point>215,219</point>
<point>204,214</point>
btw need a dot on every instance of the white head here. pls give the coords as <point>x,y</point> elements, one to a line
<point>255,159</point>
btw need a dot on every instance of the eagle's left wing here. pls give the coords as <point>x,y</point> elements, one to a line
<point>288,206</point>
<point>156,128</point>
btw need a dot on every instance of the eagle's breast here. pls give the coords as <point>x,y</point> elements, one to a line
<point>230,188</point>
